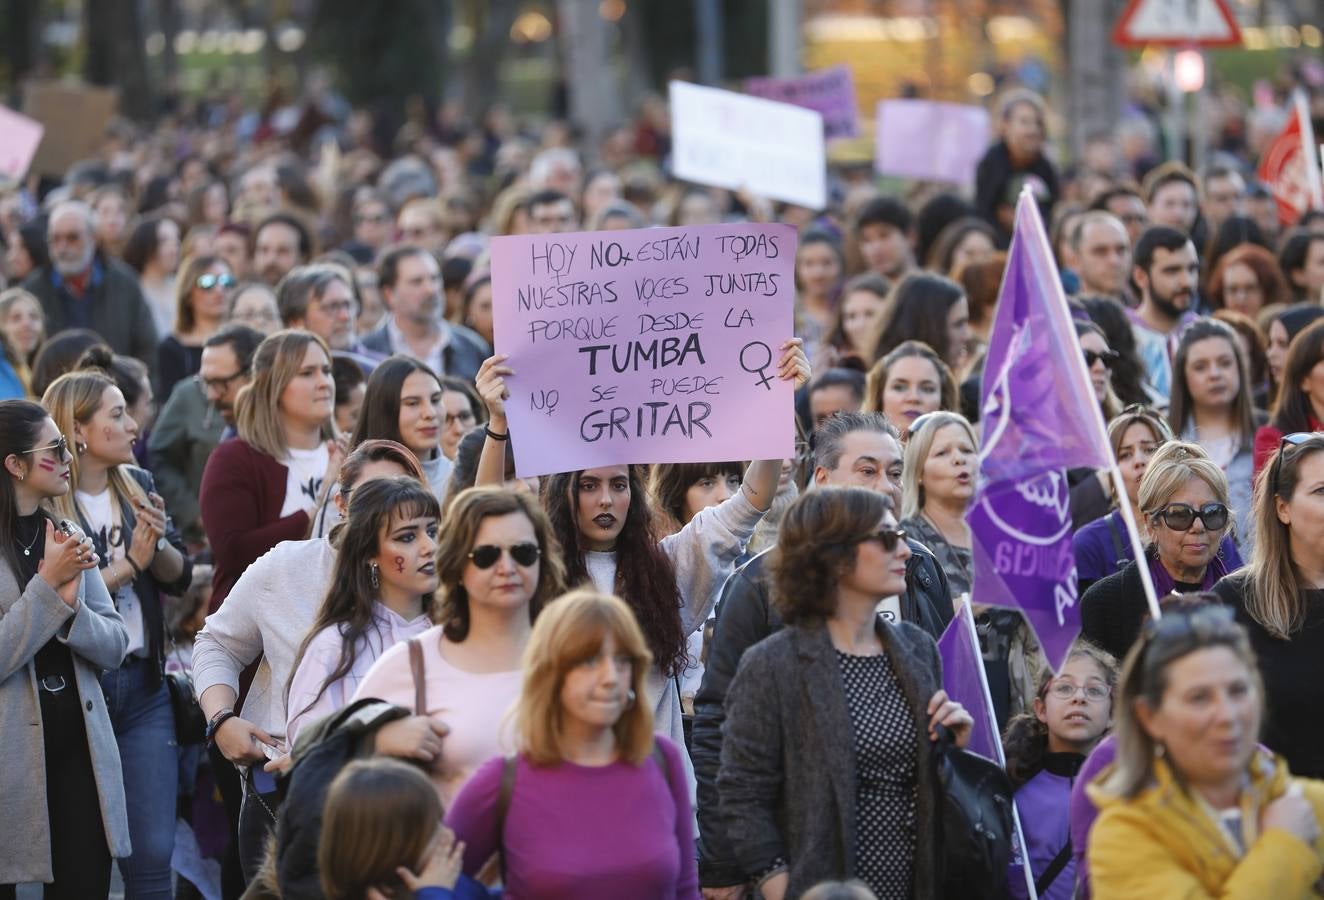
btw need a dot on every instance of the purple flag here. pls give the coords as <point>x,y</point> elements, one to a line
<point>1038,418</point>
<point>963,680</point>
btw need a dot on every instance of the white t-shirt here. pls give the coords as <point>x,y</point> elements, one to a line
<point>307,468</point>
<point>107,529</point>
<point>890,609</point>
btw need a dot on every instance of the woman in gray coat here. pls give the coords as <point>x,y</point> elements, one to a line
<point>825,750</point>
<point>61,791</point>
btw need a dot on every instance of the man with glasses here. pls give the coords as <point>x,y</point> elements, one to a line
<point>409,279</point>
<point>82,288</point>
<point>194,420</point>
<point>850,450</point>
<point>320,298</point>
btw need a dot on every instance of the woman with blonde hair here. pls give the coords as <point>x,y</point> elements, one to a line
<point>262,487</point>
<point>142,557</point>
<point>937,484</point>
<point>200,291</point>
<point>1279,598</point>
<point>1192,806</point>
<point>1187,519</point>
<point>594,805</point>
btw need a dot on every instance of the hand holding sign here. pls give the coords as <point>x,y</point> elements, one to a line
<point>491,385</point>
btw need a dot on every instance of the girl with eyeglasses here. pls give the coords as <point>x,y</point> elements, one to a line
<point>1211,406</point>
<point>1192,806</point>
<point>1045,749</point>
<point>1279,599</point>
<point>61,784</point>
<point>463,410</point>
<point>1187,519</point>
<point>858,696</point>
<point>498,565</point>
<point>199,312</point>
<point>1299,405</point>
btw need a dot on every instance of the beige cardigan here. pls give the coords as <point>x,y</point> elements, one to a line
<point>96,635</point>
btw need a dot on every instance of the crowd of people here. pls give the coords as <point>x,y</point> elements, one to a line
<point>269,579</point>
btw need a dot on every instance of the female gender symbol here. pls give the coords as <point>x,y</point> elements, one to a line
<point>759,369</point>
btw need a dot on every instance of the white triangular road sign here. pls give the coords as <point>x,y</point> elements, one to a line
<point>1207,23</point>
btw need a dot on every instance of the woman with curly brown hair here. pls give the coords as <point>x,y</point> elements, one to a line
<point>856,695</point>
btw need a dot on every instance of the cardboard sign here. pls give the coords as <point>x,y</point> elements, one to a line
<point>75,117</point>
<point>829,92</point>
<point>923,139</point>
<point>729,140</point>
<point>652,345</point>
<point>19,137</point>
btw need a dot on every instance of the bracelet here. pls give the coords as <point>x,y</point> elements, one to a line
<point>496,437</point>
<point>137,572</point>
<point>215,722</point>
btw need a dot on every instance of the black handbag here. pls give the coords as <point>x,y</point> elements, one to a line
<point>974,822</point>
<point>190,721</point>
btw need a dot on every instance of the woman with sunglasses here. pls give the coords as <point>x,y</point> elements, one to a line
<point>1299,406</point>
<point>61,785</point>
<point>1211,406</point>
<point>1099,361</point>
<point>498,565</point>
<point>857,695</point>
<point>1188,524</point>
<point>1279,598</point>
<point>199,312</point>
<point>1192,807</point>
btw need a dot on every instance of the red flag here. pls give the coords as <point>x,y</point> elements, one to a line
<point>1290,168</point>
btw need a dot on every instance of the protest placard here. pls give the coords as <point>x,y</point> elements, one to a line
<point>829,92</point>
<point>648,345</point>
<point>75,117</point>
<point>929,140</point>
<point>19,137</point>
<point>732,141</point>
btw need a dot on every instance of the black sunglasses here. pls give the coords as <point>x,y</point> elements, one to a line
<point>61,447</point>
<point>888,537</point>
<point>1109,357</point>
<point>485,556</point>
<point>1295,439</point>
<point>1201,621</point>
<point>1181,516</point>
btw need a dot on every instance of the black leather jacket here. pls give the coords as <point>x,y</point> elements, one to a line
<point>745,616</point>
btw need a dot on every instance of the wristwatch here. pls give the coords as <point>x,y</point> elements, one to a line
<point>216,721</point>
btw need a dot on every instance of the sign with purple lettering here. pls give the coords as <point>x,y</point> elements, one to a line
<point>830,92</point>
<point>654,345</point>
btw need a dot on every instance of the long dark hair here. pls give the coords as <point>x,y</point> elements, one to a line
<point>645,578</point>
<point>917,310</point>
<point>1181,408</point>
<point>349,600</point>
<point>1292,410</point>
<point>20,427</point>
<point>1128,370</point>
<point>380,417</point>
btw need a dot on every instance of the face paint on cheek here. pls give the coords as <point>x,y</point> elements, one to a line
<point>106,433</point>
<point>46,465</point>
<point>400,564</point>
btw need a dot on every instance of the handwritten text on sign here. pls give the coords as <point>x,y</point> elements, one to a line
<point>645,345</point>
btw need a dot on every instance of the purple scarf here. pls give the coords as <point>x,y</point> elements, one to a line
<point>1164,583</point>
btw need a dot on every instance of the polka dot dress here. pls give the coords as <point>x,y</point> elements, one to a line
<point>885,775</point>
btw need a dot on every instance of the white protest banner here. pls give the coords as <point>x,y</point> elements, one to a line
<point>923,139</point>
<point>732,141</point>
<point>648,345</point>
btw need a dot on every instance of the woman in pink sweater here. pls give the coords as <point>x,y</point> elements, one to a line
<point>598,806</point>
<point>498,564</point>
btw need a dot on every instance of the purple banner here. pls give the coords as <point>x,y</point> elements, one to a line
<point>963,679</point>
<point>1038,418</point>
<point>829,92</point>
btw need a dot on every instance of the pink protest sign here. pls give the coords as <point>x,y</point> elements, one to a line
<point>648,345</point>
<point>929,140</point>
<point>19,138</point>
<point>829,91</point>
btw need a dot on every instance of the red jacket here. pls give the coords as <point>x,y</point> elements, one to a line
<point>1267,439</point>
<point>243,490</point>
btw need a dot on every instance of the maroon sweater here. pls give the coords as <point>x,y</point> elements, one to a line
<point>243,490</point>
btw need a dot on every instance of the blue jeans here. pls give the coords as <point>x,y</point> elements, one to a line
<point>144,727</point>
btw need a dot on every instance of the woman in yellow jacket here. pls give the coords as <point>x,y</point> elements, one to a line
<point>1193,807</point>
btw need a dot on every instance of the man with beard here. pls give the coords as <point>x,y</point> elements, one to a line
<point>193,421</point>
<point>410,282</point>
<point>280,243</point>
<point>82,288</point>
<point>1166,272</point>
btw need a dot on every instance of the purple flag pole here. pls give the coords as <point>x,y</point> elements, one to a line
<point>1039,417</point>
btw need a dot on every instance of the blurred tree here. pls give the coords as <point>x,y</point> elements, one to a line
<point>480,77</point>
<point>117,56</point>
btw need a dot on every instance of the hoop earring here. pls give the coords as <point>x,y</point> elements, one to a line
<point>80,447</point>
<point>372,569</point>
<point>629,699</point>
<point>1159,750</point>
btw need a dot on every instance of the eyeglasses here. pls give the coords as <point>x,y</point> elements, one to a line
<point>374,218</point>
<point>464,418</point>
<point>1065,690</point>
<point>1296,439</point>
<point>337,307</point>
<point>888,537</point>
<point>485,556</point>
<point>209,281</point>
<point>61,447</point>
<point>1181,516</point>
<point>221,384</point>
<point>1108,357</point>
<point>1202,622</point>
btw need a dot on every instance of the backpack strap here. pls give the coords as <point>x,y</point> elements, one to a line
<point>420,681</point>
<point>1119,546</point>
<point>1054,869</point>
<point>661,759</point>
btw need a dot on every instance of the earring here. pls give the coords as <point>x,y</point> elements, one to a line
<point>629,698</point>
<point>1159,750</point>
<point>80,447</point>
<point>372,568</point>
